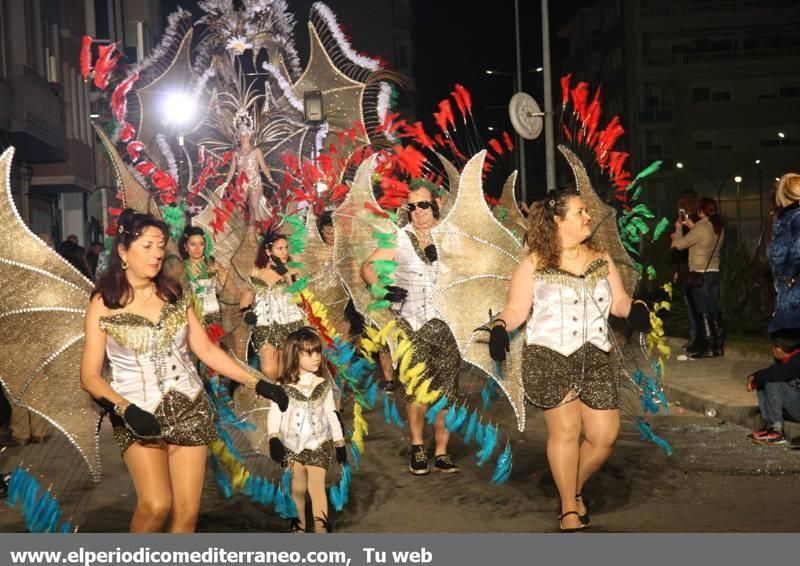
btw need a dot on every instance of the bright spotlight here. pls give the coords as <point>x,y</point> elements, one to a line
<point>781,135</point>
<point>758,161</point>
<point>179,108</point>
<point>679,165</point>
<point>738,179</point>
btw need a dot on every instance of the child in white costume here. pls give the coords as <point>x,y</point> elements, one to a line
<point>308,435</point>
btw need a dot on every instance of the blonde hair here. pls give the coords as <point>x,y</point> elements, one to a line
<point>788,189</point>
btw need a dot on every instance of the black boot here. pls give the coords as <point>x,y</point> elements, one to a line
<point>698,344</point>
<point>709,339</point>
<point>720,333</point>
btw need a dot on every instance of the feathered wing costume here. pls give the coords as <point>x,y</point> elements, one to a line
<point>44,301</point>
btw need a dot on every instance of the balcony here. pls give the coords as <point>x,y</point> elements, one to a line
<point>669,8</point>
<point>37,127</point>
<point>715,57</point>
<point>654,115</point>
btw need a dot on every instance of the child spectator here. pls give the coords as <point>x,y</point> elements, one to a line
<point>778,388</point>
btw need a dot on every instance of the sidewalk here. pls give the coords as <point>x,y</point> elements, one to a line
<point>717,384</point>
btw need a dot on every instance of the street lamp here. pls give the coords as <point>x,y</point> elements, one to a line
<point>781,135</point>
<point>738,180</point>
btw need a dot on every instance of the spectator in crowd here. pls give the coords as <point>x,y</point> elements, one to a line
<point>47,238</point>
<point>75,255</point>
<point>778,388</point>
<point>95,249</point>
<point>704,242</point>
<point>687,208</point>
<point>784,256</point>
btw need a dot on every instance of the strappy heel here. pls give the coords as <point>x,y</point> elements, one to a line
<point>585,519</point>
<point>570,529</point>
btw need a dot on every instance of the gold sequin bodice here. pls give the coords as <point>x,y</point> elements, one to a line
<point>148,359</point>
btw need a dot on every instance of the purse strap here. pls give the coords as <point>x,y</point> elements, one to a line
<point>710,257</point>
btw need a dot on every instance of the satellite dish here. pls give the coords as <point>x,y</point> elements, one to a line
<point>526,116</point>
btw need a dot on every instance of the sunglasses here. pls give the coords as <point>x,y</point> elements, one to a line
<point>422,205</point>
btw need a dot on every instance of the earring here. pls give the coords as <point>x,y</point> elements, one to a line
<point>124,265</point>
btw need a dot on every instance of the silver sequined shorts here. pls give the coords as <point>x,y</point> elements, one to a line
<point>548,377</point>
<point>183,422</point>
<point>274,334</point>
<point>320,457</point>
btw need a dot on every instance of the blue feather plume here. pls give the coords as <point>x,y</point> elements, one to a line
<point>471,427</point>
<point>430,416</point>
<point>396,418</point>
<point>502,470</point>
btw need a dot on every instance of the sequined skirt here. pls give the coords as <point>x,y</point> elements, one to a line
<point>184,422</point>
<point>320,457</point>
<point>274,334</point>
<point>589,374</point>
<point>435,345</point>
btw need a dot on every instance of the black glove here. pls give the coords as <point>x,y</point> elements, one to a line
<point>250,318</point>
<point>273,392</point>
<point>341,454</point>
<point>276,450</point>
<point>279,266</point>
<point>395,294</point>
<point>141,422</point>
<point>639,318</point>
<point>498,343</point>
<point>430,253</point>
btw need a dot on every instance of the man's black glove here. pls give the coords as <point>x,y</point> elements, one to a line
<point>639,317</point>
<point>250,318</point>
<point>142,423</point>
<point>273,392</point>
<point>395,294</point>
<point>499,343</point>
<point>276,450</point>
<point>430,253</point>
<point>279,266</point>
<point>341,454</point>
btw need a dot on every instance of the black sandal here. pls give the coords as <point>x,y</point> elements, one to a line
<point>570,529</point>
<point>585,519</point>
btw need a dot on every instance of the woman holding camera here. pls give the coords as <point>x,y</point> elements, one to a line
<point>704,241</point>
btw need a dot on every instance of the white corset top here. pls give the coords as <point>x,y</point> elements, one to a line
<point>418,277</point>
<point>273,305</point>
<point>570,310</point>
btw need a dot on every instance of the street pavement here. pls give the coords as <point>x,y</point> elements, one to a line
<point>715,481</point>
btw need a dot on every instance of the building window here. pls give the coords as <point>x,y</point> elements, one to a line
<point>721,96</point>
<point>703,145</point>
<point>701,94</point>
<point>789,92</point>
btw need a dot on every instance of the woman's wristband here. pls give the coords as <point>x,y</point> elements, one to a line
<point>119,408</point>
<point>500,321</point>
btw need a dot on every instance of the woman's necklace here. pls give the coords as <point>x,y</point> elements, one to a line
<point>576,249</point>
<point>151,286</point>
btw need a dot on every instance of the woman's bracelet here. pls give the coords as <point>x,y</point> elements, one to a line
<point>499,320</point>
<point>119,408</point>
<point>252,379</point>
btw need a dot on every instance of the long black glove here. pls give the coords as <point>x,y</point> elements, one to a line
<point>499,343</point>
<point>341,454</point>
<point>430,253</point>
<point>273,392</point>
<point>395,294</point>
<point>279,266</point>
<point>141,422</point>
<point>276,450</point>
<point>639,318</point>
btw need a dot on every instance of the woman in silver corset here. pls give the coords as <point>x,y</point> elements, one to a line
<point>143,324</point>
<point>564,289</point>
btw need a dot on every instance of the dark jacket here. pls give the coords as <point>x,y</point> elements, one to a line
<point>784,261</point>
<point>780,371</point>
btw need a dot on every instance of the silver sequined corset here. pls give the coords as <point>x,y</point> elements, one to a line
<point>206,291</point>
<point>148,360</point>
<point>418,276</point>
<point>273,305</point>
<point>570,310</point>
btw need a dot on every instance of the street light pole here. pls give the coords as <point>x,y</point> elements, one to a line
<point>549,141</point>
<point>520,139</point>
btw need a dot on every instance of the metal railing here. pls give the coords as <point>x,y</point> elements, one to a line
<point>36,109</point>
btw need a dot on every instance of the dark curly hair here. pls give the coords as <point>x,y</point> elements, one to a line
<point>188,232</point>
<point>113,286</point>
<point>542,237</point>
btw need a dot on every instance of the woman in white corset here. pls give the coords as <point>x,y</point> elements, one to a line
<point>269,307</point>
<point>142,322</point>
<point>206,276</point>
<point>565,288</point>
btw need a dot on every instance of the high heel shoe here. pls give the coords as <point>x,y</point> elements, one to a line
<point>568,529</point>
<point>585,519</point>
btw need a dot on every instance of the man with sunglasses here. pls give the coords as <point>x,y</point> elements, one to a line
<point>412,300</point>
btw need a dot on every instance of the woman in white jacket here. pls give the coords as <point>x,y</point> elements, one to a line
<point>308,435</point>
